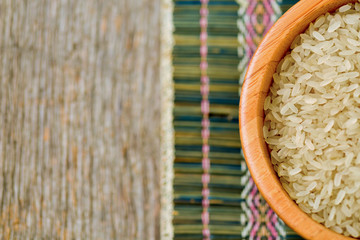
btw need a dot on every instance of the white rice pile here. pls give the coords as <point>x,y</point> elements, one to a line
<point>312,122</point>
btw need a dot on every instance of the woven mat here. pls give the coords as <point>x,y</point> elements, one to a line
<point>213,193</point>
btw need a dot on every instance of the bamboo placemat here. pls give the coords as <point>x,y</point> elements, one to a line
<point>214,196</point>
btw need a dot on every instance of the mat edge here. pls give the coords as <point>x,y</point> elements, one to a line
<point>167,130</point>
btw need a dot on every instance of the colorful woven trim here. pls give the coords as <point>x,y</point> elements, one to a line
<point>256,18</point>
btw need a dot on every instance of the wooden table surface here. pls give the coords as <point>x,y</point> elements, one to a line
<point>79,119</point>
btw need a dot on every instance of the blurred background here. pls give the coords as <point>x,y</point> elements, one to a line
<point>119,119</point>
<point>79,119</point>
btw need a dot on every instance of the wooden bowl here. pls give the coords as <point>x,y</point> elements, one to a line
<point>255,89</point>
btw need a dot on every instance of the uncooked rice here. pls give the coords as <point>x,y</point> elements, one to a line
<point>312,122</point>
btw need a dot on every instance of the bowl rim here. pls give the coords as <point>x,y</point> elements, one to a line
<point>254,90</point>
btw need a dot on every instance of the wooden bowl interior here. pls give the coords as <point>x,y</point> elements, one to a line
<point>255,88</point>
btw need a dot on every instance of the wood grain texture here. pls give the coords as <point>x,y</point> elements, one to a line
<point>256,86</point>
<point>79,119</point>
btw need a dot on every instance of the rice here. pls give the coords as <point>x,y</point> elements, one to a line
<point>311,120</point>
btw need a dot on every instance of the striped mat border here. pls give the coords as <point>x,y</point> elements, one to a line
<point>214,196</point>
